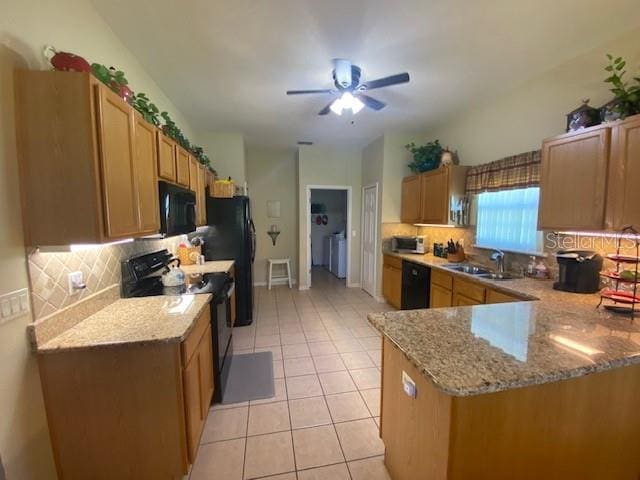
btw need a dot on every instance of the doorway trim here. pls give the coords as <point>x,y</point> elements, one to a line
<point>375,241</point>
<point>307,238</point>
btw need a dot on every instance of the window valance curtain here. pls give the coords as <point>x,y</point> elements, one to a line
<point>517,171</point>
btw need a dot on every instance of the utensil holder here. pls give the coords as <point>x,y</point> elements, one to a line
<point>457,256</point>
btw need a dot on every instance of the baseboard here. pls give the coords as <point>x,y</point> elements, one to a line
<point>303,287</point>
<point>275,282</point>
<point>379,299</point>
<point>353,285</point>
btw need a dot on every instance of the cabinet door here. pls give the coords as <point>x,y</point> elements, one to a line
<point>117,159</point>
<point>201,196</point>
<point>410,202</point>
<point>440,297</point>
<point>435,196</point>
<point>182,167</point>
<point>623,204</point>
<point>493,296</point>
<point>198,388</point>
<point>146,179</point>
<point>166,157</point>
<point>573,181</point>
<point>392,285</point>
<point>193,174</point>
<point>460,300</point>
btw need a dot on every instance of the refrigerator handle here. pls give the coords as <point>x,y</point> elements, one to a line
<point>253,240</point>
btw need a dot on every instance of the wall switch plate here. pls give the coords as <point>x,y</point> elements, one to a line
<point>75,283</point>
<point>408,385</point>
<point>14,305</point>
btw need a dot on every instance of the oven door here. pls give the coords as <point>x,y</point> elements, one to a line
<point>222,345</point>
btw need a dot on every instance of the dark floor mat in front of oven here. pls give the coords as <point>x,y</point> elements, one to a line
<point>250,378</point>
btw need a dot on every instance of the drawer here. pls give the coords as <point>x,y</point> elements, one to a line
<point>441,278</point>
<point>469,289</point>
<point>392,261</point>
<point>190,344</point>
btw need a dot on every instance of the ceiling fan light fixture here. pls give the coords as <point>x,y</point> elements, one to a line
<point>337,106</point>
<point>356,105</point>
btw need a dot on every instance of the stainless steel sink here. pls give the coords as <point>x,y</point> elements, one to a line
<point>500,276</point>
<point>468,268</point>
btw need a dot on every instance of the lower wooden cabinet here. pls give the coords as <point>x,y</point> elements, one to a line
<point>198,391</point>
<point>494,296</point>
<point>460,300</point>
<point>392,281</point>
<point>129,411</point>
<point>440,296</point>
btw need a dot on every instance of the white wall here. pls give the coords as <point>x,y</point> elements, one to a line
<point>271,175</point>
<point>227,154</point>
<point>518,120</point>
<point>25,27</point>
<point>335,202</point>
<point>325,166</point>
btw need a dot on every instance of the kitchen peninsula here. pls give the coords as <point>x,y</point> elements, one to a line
<point>529,390</point>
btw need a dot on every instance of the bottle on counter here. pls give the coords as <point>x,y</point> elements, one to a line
<point>531,267</point>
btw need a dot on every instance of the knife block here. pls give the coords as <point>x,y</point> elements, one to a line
<point>456,257</point>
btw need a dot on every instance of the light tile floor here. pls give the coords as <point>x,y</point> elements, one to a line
<point>323,422</point>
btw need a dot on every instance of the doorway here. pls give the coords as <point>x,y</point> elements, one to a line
<point>328,241</point>
<point>369,238</point>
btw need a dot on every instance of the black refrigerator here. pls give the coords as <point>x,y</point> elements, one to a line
<point>232,235</point>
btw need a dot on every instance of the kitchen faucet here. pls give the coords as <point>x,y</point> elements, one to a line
<point>498,257</point>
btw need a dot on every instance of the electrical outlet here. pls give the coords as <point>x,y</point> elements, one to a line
<point>408,385</point>
<point>14,305</point>
<point>75,283</point>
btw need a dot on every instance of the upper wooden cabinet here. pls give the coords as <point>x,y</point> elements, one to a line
<point>574,180</point>
<point>166,157</point>
<point>426,198</point>
<point>194,165</point>
<point>623,194</point>
<point>410,202</point>
<point>146,178</point>
<point>84,161</point>
<point>183,167</point>
<point>201,194</point>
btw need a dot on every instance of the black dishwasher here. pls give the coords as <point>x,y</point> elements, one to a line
<point>416,282</point>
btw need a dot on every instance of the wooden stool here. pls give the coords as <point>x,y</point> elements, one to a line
<point>279,261</point>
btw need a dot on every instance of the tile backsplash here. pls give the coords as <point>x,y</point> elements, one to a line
<point>100,265</point>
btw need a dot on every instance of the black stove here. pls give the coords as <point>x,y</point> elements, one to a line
<point>141,277</point>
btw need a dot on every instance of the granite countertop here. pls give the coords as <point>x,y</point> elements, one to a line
<point>489,348</point>
<point>132,321</point>
<point>214,266</point>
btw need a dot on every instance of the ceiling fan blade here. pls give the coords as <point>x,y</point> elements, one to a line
<point>304,92</point>
<point>371,102</point>
<point>386,81</point>
<point>326,110</point>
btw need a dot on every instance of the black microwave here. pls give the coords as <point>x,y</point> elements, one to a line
<point>177,209</point>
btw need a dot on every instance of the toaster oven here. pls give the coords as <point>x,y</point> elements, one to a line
<point>408,244</point>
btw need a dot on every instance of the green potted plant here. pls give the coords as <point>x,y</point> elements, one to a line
<point>627,97</point>
<point>147,109</point>
<point>114,79</point>
<point>425,157</point>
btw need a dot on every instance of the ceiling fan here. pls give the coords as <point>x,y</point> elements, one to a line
<point>351,93</point>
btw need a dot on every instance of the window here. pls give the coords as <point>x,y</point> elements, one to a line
<point>508,220</point>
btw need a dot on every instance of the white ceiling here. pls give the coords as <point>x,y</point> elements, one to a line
<point>227,63</point>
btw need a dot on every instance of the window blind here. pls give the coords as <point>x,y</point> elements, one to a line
<point>508,220</point>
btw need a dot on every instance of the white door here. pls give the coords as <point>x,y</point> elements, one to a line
<point>369,238</point>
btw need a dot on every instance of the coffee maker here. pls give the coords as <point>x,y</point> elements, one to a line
<point>579,271</point>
